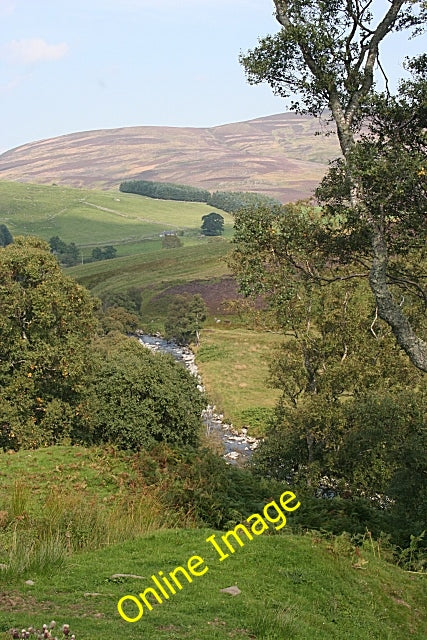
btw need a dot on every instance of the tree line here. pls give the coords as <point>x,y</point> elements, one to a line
<point>229,201</point>
<point>69,254</point>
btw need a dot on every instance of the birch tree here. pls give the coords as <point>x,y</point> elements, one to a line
<point>325,56</point>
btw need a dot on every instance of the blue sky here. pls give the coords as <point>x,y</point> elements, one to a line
<point>75,65</point>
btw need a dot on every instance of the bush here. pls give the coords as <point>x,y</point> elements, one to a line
<point>140,398</point>
<point>201,485</point>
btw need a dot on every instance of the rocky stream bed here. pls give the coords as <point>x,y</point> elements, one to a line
<point>238,446</point>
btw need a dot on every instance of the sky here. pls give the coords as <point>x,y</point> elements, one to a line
<point>77,65</point>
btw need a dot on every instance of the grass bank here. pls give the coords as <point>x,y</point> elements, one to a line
<point>234,367</point>
<point>298,587</point>
<point>91,218</point>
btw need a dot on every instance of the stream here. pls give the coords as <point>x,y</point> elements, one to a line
<point>238,446</point>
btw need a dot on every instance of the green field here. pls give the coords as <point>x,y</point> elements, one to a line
<point>234,367</point>
<point>90,218</point>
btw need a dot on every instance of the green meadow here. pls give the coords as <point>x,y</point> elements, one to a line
<point>245,398</point>
<point>91,218</point>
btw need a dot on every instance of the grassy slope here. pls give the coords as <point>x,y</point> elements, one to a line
<point>166,265</point>
<point>91,218</point>
<point>240,357</point>
<point>75,469</point>
<point>291,587</point>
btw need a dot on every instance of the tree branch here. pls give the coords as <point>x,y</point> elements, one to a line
<point>388,309</point>
<point>381,31</point>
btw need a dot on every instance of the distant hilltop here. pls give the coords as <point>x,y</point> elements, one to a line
<point>277,155</point>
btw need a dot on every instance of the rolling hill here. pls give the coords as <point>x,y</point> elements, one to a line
<point>278,155</point>
<point>89,217</point>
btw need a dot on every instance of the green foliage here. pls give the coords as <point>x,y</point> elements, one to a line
<point>165,190</point>
<point>119,319</point>
<point>232,201</point>
<point>186,315</point>
<point>414,556</point>
<point>46,326</point>
<point>171,241</point>
<point>257,417</point>
<point>104,253</point>
<point>375,195</point>
<point>67,254</point>
<point>140,398</point>
<point>129,299</point>
<point>408,486</point>
<point>200,483</point>
<point>212,224</point>
<point>351,400</point>
<point>5,236</point>
<point>56,383</point>
<point>388,163</point>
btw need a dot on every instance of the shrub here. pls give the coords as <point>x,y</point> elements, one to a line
<point>141,398</point>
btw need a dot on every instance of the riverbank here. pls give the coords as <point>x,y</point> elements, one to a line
<point>238,445</point>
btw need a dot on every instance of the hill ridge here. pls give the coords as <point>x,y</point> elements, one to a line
<point>278,155</point>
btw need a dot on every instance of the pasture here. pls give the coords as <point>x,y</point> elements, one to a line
<point>92,218</point>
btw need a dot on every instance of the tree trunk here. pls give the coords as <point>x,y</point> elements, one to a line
<point>388,309</point>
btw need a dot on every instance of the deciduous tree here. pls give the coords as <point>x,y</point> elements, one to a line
<point>185,318</point>
<point>141,398</point>
<point>47,323</point>
<point>212,224</point>
<point>325,54</point>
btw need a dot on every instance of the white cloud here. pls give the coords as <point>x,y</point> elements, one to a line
<point>6,7</point>
<point>11,85</point>
<point>29,51</point>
